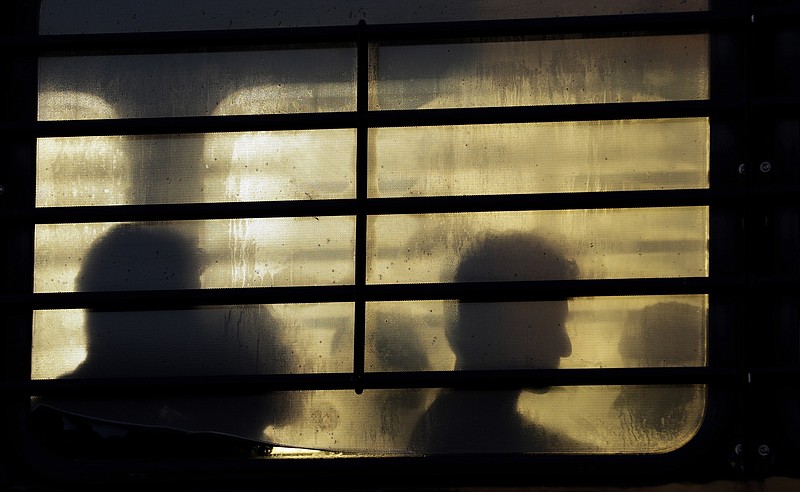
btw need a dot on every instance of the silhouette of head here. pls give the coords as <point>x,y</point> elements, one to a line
<point>212,341</point>
<point>663,334</point>
<point>511,335</point>
<point>140,257</point>
<point>666,334</point>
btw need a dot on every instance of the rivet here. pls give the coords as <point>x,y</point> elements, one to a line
<point>765,167</point>
<point>763,450</point>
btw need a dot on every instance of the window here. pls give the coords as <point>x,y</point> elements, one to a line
<point>507,237</point>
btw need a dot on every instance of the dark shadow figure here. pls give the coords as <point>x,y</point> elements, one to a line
<point>504,335</point>
<point>661,335</point>
<point>216,341</point>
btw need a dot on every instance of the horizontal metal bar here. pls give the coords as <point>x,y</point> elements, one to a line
<point>181,211</point>
<point>550,201</point>
<point>391,206</point>
<point>514,379</point>
<point>550,113</point>
<point>185,124</point>
<point>680,22</point>
<point>586,26</point>
<point>161,386</point>
<point>464,291</point>
<point>548,289</point>
<point>179,299</point>
<point>175,41</point>
<point>382,118</point>
<point>467,380</point>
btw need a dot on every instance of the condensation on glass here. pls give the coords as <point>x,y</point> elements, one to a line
<point>249,339</point>
<point>193,168</point>
<point>604,243</point>
<point>260,165</point>
<point>598,332</point>
<point>403,336</point>
<point>541,72</point>
<point>258,81</point>
<point>561,157</point>
<point>603,332</point>
<point>579,419</point>
<point>94,16</point>
<point>213,167</point>
<point>194,254</point>
<point>448,160</point>
<point>400,336</point>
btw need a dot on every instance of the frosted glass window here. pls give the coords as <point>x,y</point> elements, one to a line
<point>575,419</point>
<point>199,84</point>
<point>542,72</point>
<point>452,160</point>
<point>194,168</point>
<point>291,165</point>
<point>581,419</point>
<point>88,16</point>
<point>251,339</point>
<point>317,338</point>
<point>637,331</point>
<point>194,254</point>
<point>540,157</point>
<point>602,243</point>
<point>602,332</point>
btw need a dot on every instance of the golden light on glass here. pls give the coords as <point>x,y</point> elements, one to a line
<point>668,242</point>
<point>558,157</point>
<point>238,253</point>
<point>78,171</point>
<point>539,72</point>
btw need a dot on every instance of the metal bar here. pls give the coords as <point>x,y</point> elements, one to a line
<point>680,22</point>
<point>382,119</point>
<point>362,187</point>
<point>177,41</point>
<point>182,211</point>
<point>466,291</point>
<point>549,113</point>
<point>466,380</point>
<point>18,179</point>
<point>388,206</point>
<point>187,124</point>
<point>586,26</point>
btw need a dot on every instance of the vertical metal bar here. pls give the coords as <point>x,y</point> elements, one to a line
<point>362,154</point>
<point>18,180</point>
<point>17,177</point>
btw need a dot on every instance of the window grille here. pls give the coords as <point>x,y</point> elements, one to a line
<point>337,183</point>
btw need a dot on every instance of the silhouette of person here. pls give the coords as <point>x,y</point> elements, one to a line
<point>185,342</point>
<point>665,334</point>
<point>503,335</point>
